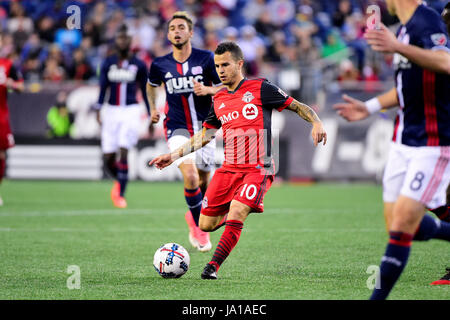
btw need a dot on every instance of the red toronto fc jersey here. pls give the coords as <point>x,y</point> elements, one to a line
<point>7,70</point>
<point>245,116</point>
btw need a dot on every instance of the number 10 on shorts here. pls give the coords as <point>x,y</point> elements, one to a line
<point>249,191</point>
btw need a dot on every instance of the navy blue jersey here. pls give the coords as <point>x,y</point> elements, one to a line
<point>184,109</point>
<point>423,118</point>
<point>123,77</point>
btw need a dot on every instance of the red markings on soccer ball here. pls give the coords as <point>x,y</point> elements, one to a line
<point>175,252</point>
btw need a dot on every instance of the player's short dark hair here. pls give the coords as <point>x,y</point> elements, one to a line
<point>123,29</point>
<point>232,47</point>
<point>182,15</point>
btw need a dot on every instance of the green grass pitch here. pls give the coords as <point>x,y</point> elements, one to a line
<point>312,242</point>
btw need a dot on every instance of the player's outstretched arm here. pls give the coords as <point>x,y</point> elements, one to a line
<point>354,110</point>
<point>318,132</point>
<point>196,142</point>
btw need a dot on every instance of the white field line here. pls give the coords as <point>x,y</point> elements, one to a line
<point>174,211</point>
<point>146,230</point>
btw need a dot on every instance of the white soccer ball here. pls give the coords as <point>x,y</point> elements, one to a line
<point>171,260</point>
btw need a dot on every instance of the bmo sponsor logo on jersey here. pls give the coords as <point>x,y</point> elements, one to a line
<point>182,84</point>
<point>127,74</point>
<point>228,117</point>
<point>250,111</point>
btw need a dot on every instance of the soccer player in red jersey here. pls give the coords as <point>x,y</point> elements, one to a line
<point>10,79</point>
<point>243,110</point>
<point>417,172</point>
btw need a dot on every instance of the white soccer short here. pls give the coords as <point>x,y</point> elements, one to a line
<point>120,127</point>
<point>420,173</point>
<point>204,158</point>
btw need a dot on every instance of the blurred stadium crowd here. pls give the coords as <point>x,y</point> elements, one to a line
<point>270,32</point>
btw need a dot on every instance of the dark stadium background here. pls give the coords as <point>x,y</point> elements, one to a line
<point>313,49</point>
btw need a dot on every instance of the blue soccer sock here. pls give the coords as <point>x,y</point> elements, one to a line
<point>431,228</point>
<point>122,175</point>
<point>194,199</point>
<point>392,263</point>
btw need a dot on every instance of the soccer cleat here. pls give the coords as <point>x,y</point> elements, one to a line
<point>120,202</point>
<point>209,272</point>
<point>444,280</point>
<point>199,239</point>
<point>1,201</point>
<point>204,244</point>
<point>192,229</point>
<point>115,191</point>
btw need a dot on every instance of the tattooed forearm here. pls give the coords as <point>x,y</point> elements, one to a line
<point>303,111</point>
<point>197,141</point>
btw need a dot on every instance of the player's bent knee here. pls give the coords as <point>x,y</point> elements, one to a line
<point>406,222</point>
<point>209,223</point>
<point>191,178</point>
<point>191,181</point>
<point>407,213</point>
<point>238,211</point>
<point>206,226</point>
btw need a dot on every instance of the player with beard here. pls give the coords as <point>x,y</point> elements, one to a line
<point>190,79</point>
<point>243,110</point>
<point>122,74</point>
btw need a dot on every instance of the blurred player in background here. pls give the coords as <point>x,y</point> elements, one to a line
<point>417,172</point>
<point>121,73</point>
<point>59,118</point>
<point>243,110</point>
<point>188,75</point>
<point>10,79</point>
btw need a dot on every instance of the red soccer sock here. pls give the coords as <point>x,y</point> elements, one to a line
<point>227,242</point>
